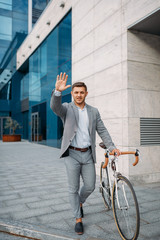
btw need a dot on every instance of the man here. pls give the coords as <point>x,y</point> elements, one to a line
<point>81,121</point>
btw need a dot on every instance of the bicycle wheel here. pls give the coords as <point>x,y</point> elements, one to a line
<point>126,213</point>
<point>105,190</point>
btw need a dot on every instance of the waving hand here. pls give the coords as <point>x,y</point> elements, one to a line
<point>61,82</point>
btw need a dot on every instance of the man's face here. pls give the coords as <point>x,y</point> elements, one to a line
<point>79,94</point>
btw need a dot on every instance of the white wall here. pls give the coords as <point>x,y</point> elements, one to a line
<point>100,60</point>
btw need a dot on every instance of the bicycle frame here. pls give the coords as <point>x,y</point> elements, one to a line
<point>115,174</point>
<point>112,165</point>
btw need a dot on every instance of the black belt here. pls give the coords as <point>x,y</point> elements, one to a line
<point>80,149</point>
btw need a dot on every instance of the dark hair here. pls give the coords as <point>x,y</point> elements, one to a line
<point>79,84</point>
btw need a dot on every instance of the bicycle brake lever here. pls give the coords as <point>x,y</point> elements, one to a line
<point>107,154</point>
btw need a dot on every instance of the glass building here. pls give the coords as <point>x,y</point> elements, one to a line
<point>25,94</point>
<point>38,80</point>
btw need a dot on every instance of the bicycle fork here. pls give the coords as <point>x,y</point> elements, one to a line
<point>121,189</point>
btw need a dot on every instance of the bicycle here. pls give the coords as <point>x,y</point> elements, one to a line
<point>119,195</point>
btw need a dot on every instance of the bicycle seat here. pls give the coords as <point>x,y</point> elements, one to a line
<point>102,145</point>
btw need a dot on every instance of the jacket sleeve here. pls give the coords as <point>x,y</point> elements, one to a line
<point>103,133</point>
<point>57,107</point>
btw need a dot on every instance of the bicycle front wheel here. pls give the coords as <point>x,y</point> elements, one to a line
<point>125,209</point>
<point>105,190</point>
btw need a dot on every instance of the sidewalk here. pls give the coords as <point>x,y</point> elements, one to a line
<point>34,199</point>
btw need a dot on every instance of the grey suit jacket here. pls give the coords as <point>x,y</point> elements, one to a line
<point>68,112</point>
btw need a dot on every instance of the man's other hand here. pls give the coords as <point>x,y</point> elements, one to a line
<point>116,151</point>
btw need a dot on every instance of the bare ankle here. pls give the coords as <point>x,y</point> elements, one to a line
<point>78,220</point>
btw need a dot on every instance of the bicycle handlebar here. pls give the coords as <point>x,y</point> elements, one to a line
<point>136,153</point>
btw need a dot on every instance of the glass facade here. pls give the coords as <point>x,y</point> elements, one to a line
<point>13,19</point>
<point>37,8</point>
<point>13,30</point>
<point>52,57</point>
<point>17,86</point>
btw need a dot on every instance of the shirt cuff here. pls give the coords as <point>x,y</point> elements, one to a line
<point>57,93</point>
<point>111,148</point>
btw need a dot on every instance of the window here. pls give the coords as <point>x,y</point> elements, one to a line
<point>6,4</point>
<point>5,28</point>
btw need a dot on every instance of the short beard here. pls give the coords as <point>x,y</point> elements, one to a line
<point>79,102</point>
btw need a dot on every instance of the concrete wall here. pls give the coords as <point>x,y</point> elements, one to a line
<point>102,55</point>
<point>105,57</point>
<point>100,59</point>
<point>143,99</point>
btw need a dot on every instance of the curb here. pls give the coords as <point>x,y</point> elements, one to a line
<point>32,231</point>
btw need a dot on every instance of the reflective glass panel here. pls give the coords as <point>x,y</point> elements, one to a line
<point>6,4</point>
<point>5,28</point>
<point>39,4</point>
<point>20,6</point>
<point>43,60</point>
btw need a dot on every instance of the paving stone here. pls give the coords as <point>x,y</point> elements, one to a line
<point>31,185</point>
<point>149,206</point>
<point>61,224</point>
<point>97,232</point>
<point>95,201</point>
<point>30,213</point>
<point>55,216</point>
<point>55,195</point>
<point>31,193</point>
<point>61,207</point>
<point>12,209</point>
<point>11,192</point>
<point>150,231</point>
<point>45,203</point>
<point>151,216</point>
<point>95,218</point>
<point>90,209</point>
<point>21,200</point>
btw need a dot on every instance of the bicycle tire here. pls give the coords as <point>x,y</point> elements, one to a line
<point>128,228</point>
<point>105,190</point>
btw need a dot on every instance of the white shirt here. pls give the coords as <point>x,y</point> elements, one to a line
<point>82,137</point>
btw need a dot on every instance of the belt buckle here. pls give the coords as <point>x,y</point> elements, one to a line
<point>82,150</point>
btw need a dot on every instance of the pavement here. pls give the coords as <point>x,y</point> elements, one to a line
<point>34,200</point>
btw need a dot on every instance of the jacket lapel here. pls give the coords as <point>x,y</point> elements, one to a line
<point>75,110</point>
<point>89,111</point>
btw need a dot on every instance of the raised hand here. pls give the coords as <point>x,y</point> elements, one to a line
<point>61,82</point>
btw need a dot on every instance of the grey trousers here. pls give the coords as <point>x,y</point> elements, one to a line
<point>80,164</point>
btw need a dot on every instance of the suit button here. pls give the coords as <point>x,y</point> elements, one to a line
<point>70,140</point>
